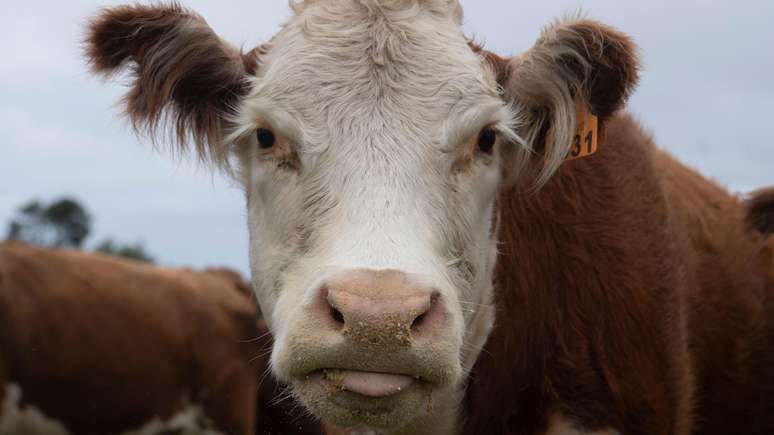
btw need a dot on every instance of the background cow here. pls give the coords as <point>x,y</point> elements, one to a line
<point>761,210</point>
<point>98,345</point>
<point>414,278</point>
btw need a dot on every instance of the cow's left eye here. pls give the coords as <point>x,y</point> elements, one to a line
<point>486,140</point>
<point>266,138</point>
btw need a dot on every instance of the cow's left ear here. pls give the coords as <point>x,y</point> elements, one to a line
<point>182,73</point>
<point>573,62</point>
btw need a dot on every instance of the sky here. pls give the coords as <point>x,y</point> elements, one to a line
<point>706,94</point>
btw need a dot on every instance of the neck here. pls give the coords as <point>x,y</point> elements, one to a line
<point>569,284</point>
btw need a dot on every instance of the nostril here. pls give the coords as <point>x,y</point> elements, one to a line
<point>337,316</point>
<point>429,316</point>
<point>418,321</point>
<point>327,308</point>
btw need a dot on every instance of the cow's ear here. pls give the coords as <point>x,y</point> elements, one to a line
<point>574,62</point>
<point>182,73</point>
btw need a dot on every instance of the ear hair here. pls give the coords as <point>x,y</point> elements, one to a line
<point>182,73</point>
<point>574,60</point>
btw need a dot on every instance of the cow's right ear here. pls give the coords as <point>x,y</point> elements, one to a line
<point>182,73</point>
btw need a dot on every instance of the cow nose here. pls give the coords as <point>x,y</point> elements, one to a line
<point>380,307</point>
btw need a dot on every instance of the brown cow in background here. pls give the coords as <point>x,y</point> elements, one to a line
<point>760,207</point>
<point>100,346</point>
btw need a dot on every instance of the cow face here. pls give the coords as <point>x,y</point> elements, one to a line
<point>372,140</point>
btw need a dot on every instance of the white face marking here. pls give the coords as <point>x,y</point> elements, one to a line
<point>378,117</point>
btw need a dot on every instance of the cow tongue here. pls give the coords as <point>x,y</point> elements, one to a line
<point>371,384</point>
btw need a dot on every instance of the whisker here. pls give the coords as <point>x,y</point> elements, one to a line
<point>286,394</point>
<point>260,355</point>
<point>259,338</point>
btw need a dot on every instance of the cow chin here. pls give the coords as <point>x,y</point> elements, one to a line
<point>327,397</point>
<point>364,385</point>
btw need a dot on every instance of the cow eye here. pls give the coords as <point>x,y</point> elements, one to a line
<point>486,140</point>
<point>266,138</point>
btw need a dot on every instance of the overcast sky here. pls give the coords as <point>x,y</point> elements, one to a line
<point>706,93</point>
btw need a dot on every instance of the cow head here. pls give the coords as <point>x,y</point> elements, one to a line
<point>372,140</point>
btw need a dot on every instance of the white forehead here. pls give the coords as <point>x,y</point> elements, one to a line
<point>349,69</point>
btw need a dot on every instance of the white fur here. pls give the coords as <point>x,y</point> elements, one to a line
<point>16,419</point>
<point>561,425</point>
<point>189,421</point>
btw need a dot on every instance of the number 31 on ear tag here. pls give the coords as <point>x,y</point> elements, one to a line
<point>585,141</point>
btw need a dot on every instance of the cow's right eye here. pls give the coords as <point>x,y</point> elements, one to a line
<point>266,138</point>
<point>486,140</point>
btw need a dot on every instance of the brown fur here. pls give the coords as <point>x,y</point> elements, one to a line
<point>182,72</point>
<point>104,345</point>
<point>498,64</point>
<point>631,295</point>
<point>235,277</point>
<point>760,208</point>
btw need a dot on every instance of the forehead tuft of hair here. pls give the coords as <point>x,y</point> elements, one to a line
<point>389,9</point>
<point>183,78</point>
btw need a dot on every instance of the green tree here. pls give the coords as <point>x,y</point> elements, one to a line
<point>62,223</point>
<point>134,252</point>
<point>65,223</point>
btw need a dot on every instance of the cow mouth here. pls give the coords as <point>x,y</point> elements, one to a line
<point>367,384</point>
<point>350,397</point>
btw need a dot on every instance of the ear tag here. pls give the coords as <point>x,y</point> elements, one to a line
<point>586,136</point>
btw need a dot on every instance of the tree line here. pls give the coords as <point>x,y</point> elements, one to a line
<point>65,223</point>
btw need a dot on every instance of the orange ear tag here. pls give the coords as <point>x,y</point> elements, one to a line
<point>585,140</point>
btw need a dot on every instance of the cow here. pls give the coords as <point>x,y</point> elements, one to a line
<point>445,240</point>
<point>92,344</point>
